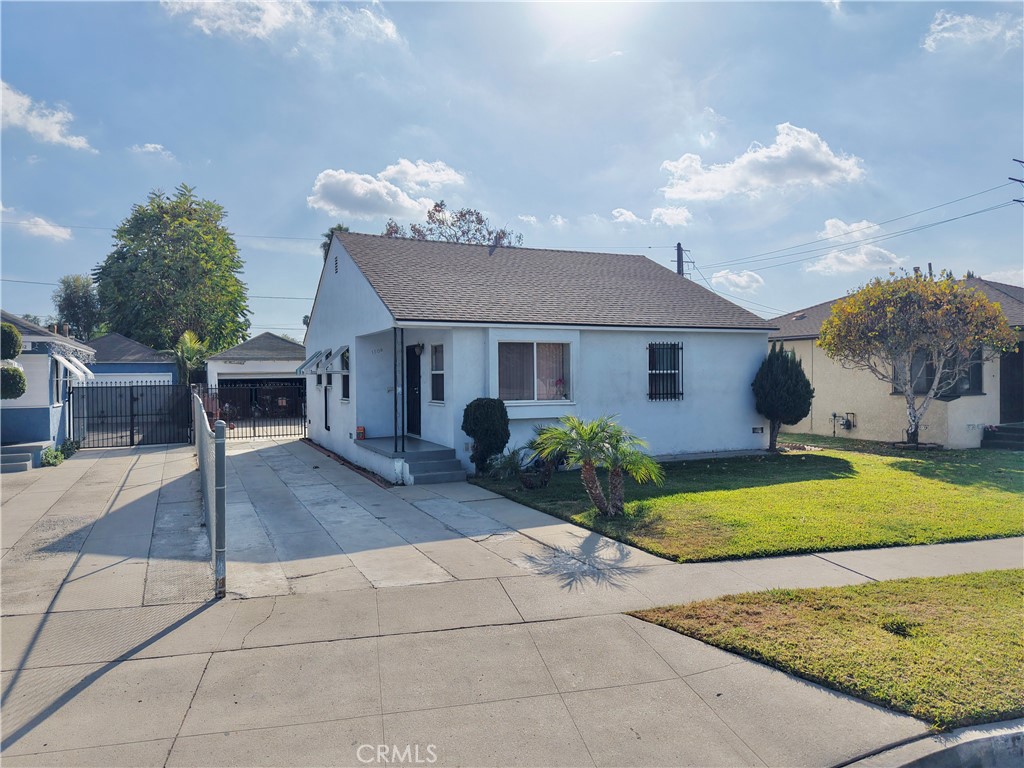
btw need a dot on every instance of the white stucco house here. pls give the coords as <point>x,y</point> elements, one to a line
<point>404,333</point>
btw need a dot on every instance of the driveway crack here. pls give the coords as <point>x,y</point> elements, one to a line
<point>273,607</point>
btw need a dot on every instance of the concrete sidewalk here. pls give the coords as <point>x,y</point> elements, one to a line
<point>530,666</point>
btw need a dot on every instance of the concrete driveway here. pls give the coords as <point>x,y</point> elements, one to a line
<point>432,624</point>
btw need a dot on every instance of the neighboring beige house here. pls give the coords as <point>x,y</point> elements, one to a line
<point>856,404</point>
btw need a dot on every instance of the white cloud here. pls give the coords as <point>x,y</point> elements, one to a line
<point>799,158</point>
<point>738,282</point>
<point>672,216</point>
<point>421,176</point>
<point>609,55</point>
<point>623,216</point>
<point>1008,276</point>
<point>558,221</point>
<point>45,124</point>
<point>855,257</point>
<point>361,196</point>
<point>955,28</point>
<point>268,19</point>
<point>527,219</point>
<point>152,149</point>
<point>392,192</point>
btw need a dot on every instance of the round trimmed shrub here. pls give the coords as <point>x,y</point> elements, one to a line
<point>11,341</point>
<point>12,383</point>
<point>486,421</point>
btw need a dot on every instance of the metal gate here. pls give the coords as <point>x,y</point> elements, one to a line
<point>106,415</point>
<point>258,409</point>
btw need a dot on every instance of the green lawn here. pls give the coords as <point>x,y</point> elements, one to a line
<point>947,650</point>
<point>804,501</point>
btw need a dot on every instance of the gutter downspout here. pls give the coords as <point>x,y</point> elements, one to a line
<point>394,380</point>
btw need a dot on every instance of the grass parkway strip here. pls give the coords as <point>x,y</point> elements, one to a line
<point>946,650</point>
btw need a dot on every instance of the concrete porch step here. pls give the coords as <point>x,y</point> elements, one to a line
<point>426,478</point>
<point>12,464</point>
<point>14,458</point>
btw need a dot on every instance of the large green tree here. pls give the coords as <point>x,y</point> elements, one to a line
<point>77,304</point>
<point>782,392</point>
<point>919,333</point>
<point>174,268</point>
<point>465,225</point>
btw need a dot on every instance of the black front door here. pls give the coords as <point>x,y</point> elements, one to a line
<point>1011,387</point>
<point>412,391</point>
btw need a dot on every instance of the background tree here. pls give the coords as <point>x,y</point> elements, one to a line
<point>32,318</point>
<point>903,327</point>
<point>77,304</point>
<point>174,268</point>
<point>190,354</point>
<point>782,392</point>
<point>328,236</point>
<point>600,444</point>
<point>12,378</point>
<point>465,225</point>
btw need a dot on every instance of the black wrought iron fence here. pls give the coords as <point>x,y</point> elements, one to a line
<point>113,415</point>
<point>257,410</point>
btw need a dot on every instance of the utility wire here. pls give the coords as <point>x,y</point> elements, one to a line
<point>864,241</point>
<point>859,229</point>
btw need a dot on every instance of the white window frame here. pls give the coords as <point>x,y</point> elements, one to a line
<point>567,397</point>
<point>437,372</point>
<point>341,364</point>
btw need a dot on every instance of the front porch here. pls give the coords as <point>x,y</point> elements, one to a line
<point>411,460</point>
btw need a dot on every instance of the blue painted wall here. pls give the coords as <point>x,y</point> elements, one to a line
<point>32,425</point>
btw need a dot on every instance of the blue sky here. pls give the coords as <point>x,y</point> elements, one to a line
<point>773,140</point>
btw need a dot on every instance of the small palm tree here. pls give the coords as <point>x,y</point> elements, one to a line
<point>625,457</point>
<point>600,443</point>
<point>190,353</point>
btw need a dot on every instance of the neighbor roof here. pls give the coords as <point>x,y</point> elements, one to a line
<point>425,280</point>
<point>115,348</point>
<point>806,323</point>
<point>36,331</point>
<point>266,346</point>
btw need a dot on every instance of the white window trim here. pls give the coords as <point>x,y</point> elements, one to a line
<point>432,401</point>
<point>556,401</point>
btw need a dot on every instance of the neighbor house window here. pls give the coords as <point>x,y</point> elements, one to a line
<point>437,373</point>
<point>664,371</point>
<point>533,371</point>
<point>922,373</point>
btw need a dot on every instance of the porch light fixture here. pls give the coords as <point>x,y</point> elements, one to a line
<point>419,349</point>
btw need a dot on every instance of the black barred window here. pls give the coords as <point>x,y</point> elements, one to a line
<point>664,371</point>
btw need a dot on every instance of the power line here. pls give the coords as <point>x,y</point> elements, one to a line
<point>859,229</point>
<point>251,296</point>
<point>865,241</point>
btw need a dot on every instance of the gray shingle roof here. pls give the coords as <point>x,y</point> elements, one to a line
<point>266,346</point>
<point>457,283</point>
<point>31,329</point>
<point>806,323</point>
<point>115,348</point>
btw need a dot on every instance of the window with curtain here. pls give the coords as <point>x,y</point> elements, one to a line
<point>533,371</point>
<point>922,373</point>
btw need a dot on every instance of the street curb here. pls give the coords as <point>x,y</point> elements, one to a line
<point>994,744</point>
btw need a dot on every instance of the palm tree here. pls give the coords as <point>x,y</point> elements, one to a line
<point>600,443</point>
<point>625,457</point>
<point>190,353</point>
